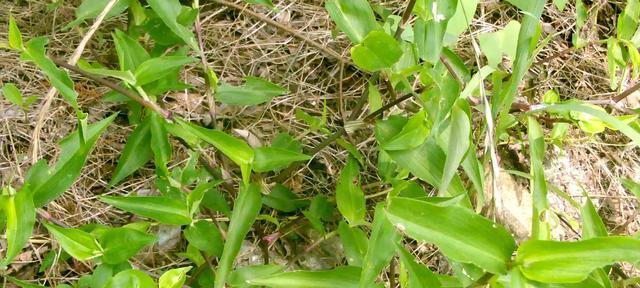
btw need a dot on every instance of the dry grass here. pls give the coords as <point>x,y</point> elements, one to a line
<point>237,46</point>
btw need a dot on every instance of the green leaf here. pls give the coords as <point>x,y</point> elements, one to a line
<point>23,284</point>
<point>15,37</point>
<point>162,209</point>
<point>205,236</point>
<point>130,53</point>
<point>459,141</point>
<point>131,279</point>
<point>173,278</point>
<point>120,244</point>
<point>266,3</point>
<point>343,277</point>
<point>198,194</point>
<point>631,186</point>
<point>245,210</point>
<point>560,4</point>
<point>460,20</point>
<point>503,42</point>
<point>601,115</point>
<point>21,216</point>
<point>12,93</point>
<point>135,154</point>
<point>413,134</point>
<point>592,225</point>
<point>375,98</point>
<point>214,200</point>
<point>161,148</point>
<point>571,262</point>
<point>354,17</point>
<point>125,76</point>
<point>377,51</point>
<point>79,244</point>
<point>159,67</point>
<point>354,242</point>
<point>282,199</point>
<point>255,91</point>
<point>429,34</point>
<point>272,158</point>
<point>540,228</point>
<point>168,11</point>
<point>237,150</point>
<point>349,195</point>
<point>35,52</point>
<point>419,275</point>
<point>319,210</point>
<point>459,233</point>
<point>49,184</point>
<point>240,277</point>
<point>381,247</point>
<point>92,8</point>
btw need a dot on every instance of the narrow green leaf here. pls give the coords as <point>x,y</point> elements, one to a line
<point>381,247</point>
<point>159,67</point>
<point>91,8</point>
<point>169,11</point>
<point>540,227</point>
<point>592,225</point>
<point>15,37</point>
<point>571,262</point>
<point>173,278</point>
<point>198,194</point>
<point>120,244</point>
<point>49,184</point>
<point>245,210</point>
<point>354,17</point>
<point>21,216</point>
<point>283,199</point>
<point>160,146</point>
<point>354,242</point>
<point>459,141</point>
<point>205,236</point>
<point>459,233</point>
<point>375,98</point>
<point>377,51</point>
<point>12,93</point>
<point>272,158</point>
<point>130,53</point>
<point>429,34</point>
<point>412,135</point>
<point>131,279</point>
<point>35,52</point>
<point>344,277</point>
<point>254,91</point>
<point>240,277</point>
<point>162,209</point>
<point>266,3</point>
<point>349,195</point>
<point>79,244</point>
<point>135,154</point>
<point>125,76</point>
<point>460,20</point>
<point>23,284</point>
<point>419,275</point>
<point>631,186</point>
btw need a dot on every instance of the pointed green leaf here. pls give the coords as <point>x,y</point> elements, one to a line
<point>21,216</point>
<point>413,134</point>
<point>159,67</point>
<point>272,158</point>
<point>503,42</point>
<point>120,244</point>
<point>266,3</point>
<point>343,277</point>
<point>540,227</point>
<point>15,37</point>
<point>12,93</point>
<point>131,279</point>
<point>125,76</point>
<point>173,278</point>
<point>631,186</point>
<point>592,225</point>
<point>79,244</point>
<point>162,209</point>
<point>92,8</point>
<point>377,51</point>
<point>135,154</point>
<point>254,91</point>
<point>169,11</point>
<point>381,247</point>
<point>349,195</point>
<point>240,277</point>
<point>354,17</point>
<point>458,232</point>
<point>354,242</point>
<point>49,185</point>
<point>571,262</point>
<point>283,199</point>
<point>419,275</point>
<point>245,210</point>
<point>130,53</point>
<point>205,236</point>
<point>459,141</point>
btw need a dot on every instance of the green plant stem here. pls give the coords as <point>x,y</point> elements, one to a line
<point>113,86</point>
